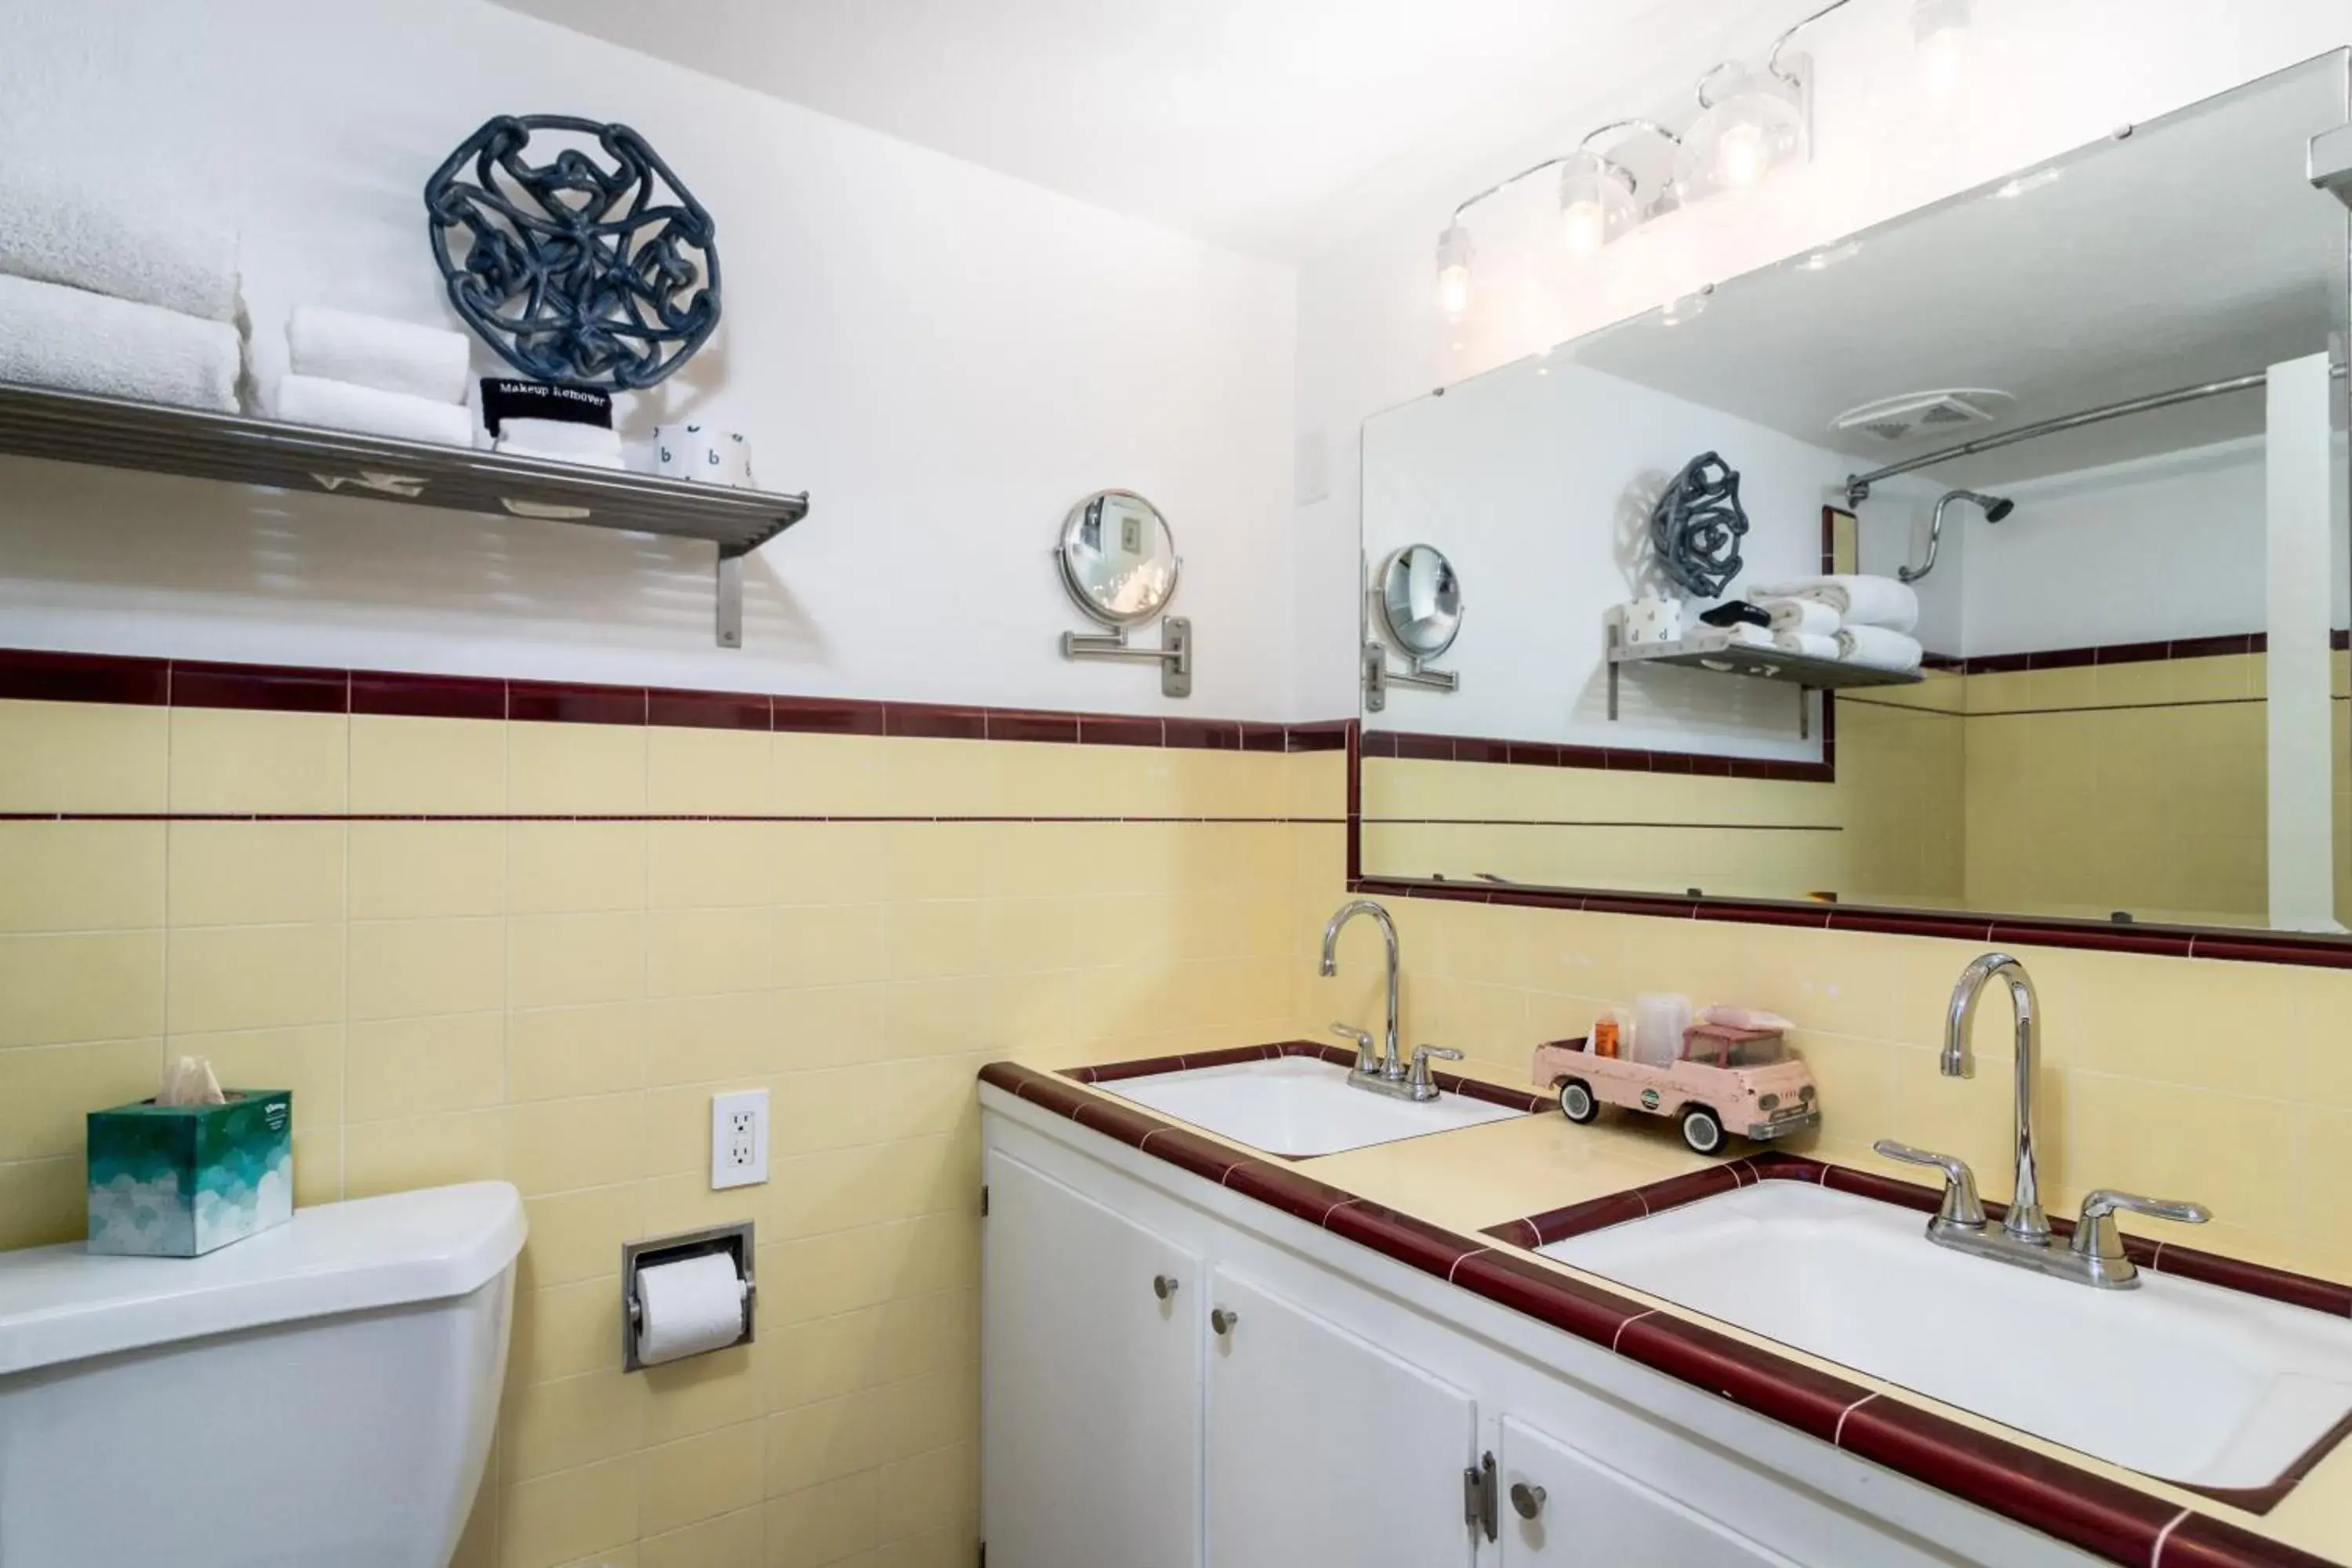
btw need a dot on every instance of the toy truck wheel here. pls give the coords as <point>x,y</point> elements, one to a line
<point>1576,1101</point>
<point>1702,1129</point>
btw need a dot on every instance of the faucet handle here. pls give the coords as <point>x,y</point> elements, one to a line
<point>1367,1053</point>
<point>1422,1087</point>
<point>1961,1206</point>
<point>2095,1235</point>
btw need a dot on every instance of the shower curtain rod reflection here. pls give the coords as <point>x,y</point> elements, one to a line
<point>1857,486</point>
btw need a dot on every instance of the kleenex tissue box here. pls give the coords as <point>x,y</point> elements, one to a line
<point>177,1181</point>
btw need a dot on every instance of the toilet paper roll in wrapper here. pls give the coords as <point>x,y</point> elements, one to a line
<point>691,1305</point>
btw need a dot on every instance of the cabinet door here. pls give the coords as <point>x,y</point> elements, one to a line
<point>1091,1382</point>
<point>1326,1450</point>
<point>1590,1516</point>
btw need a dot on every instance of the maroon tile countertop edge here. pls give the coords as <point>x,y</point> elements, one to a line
<point>2117,1522</point>
<point>29,674</point>
<point>2254,1279</point>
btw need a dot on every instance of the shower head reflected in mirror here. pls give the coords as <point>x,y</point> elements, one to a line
<point>1994,508</point>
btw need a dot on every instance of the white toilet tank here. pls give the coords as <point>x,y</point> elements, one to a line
<point>321,1395</point>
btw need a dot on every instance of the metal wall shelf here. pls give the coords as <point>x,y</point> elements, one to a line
<point>1718,651</point>
<point>66,427</point>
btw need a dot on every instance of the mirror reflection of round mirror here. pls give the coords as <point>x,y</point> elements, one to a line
<point>1118,558</point>
<point>1420,599</point>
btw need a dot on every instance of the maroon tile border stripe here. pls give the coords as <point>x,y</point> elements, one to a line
<point>1415,746</point>
<point>2247,946</point>
<point>38,675</point>
<point>2116,1522</point>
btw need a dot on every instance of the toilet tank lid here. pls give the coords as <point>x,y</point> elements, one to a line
<point>65,1303</point>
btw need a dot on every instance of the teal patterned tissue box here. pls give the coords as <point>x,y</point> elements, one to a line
<point>177,1180</point>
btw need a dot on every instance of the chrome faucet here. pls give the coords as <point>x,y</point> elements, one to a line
<point>2096,1256</point>
<point>2026,1223</point>
<point>1381,1070</point>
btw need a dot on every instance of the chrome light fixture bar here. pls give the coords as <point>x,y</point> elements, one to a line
<point>1597,205</point>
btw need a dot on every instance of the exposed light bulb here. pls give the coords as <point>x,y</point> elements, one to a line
<point>1740,157</point>
<point>1582,227</point>
<point>1596,203</point>
<point>1453,256</point>
<point>1939,30</point>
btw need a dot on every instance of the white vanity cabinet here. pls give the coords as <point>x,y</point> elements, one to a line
<point>1561,1508</point>
<point>1176,1375</point>
<point>1324,1448</point>
<point>1092,1341</point>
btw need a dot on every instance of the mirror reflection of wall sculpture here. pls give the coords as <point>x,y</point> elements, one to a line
<point>1118,562</point>
<point>2041,609</point>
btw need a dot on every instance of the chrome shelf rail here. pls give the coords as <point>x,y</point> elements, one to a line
<point>72,427</point>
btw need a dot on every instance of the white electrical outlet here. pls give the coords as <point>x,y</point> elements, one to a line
<point>739,1139</point>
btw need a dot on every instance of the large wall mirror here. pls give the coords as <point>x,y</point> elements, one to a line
<point>2132,705</point>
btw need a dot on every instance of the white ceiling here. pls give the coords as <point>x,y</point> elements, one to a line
<point>1268,126</point>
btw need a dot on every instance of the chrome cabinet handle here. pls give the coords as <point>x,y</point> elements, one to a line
<point>1163,1285</point>
<point>1526,1501</point>
<point>1223,1320</point>
<point>1961,1206</point>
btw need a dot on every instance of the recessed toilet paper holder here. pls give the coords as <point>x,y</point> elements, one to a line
<point>734,1240</point>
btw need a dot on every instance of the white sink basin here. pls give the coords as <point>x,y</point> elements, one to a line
<point>2176,1379</point>
<point>1299,1106</point>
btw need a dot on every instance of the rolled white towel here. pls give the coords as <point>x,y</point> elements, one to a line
<point>1806,643</point>
<point>576,459</point>
<point>386,355</point>
<point>561,440</point>
<point>1879,647</point>
<point>116,242</point>
<point>76,340</point>
<point>340,405</point>
<point>1859,600</point>
<point>1750,634</point>
<point>1809,615</point>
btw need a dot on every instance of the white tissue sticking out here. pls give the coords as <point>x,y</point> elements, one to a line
<point>688,1307</point>
<point>189,1080</point>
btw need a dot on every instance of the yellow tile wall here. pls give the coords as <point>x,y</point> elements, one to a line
<point>2228,1083</point>
<point>554,1002</point>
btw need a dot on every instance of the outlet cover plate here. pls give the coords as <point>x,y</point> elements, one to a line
<point>739,1139</point>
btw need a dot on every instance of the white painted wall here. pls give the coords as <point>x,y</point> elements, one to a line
<point>945,357</point>
<point>2049,75</point>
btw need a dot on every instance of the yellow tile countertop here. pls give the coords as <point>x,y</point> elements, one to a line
<point>1468,1179</point>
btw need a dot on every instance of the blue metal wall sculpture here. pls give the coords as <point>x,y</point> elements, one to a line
<point>1697,525</point>
<point>573,270</point>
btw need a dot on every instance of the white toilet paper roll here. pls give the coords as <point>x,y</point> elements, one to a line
<point>688,1307</point>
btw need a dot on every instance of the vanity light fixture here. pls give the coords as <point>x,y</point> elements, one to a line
<point>1598,202</point>
<point>1455,253</point>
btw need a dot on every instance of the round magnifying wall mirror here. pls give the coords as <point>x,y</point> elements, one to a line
<point>1118,559</point>
<point>1420,600</point>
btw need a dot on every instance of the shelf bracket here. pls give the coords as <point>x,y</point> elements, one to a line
<point>1379,677</point>
<point>731,597</point>
<point>1175,654</point>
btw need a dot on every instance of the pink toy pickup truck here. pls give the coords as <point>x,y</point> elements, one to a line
<point>1740,1080</point>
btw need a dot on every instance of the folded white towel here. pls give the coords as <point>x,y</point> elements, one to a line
<point>340,405</point>
<point>1749,633</point>
<point>369,350</point>
<point>1860,601</point>
<point>576,459</point>
<point>116,242</point>
<point>70,339</point>
<point>1879,648</point>
<point>1806,643</point>
<point>1809,615</point>
<point>560,438</point>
